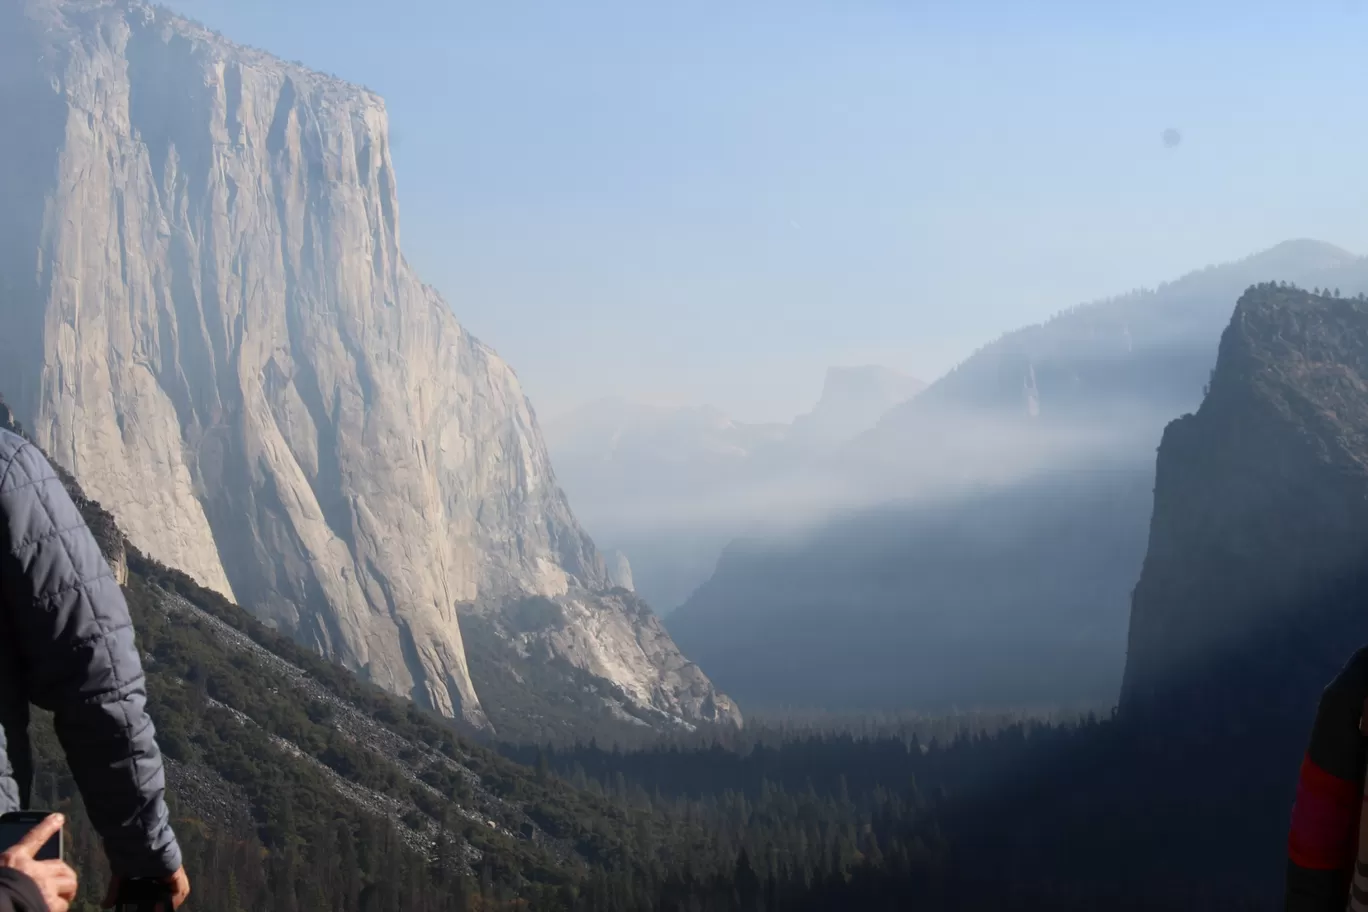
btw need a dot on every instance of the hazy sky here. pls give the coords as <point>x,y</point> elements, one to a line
<point>710,201</point>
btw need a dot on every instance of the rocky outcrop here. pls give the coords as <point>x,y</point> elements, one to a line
<point>620,571</point>
<point>603,656</point>
<point>1254,585</point>
<point>210,323</point>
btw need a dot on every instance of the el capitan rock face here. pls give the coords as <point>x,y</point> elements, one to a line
<point>210,323</point>
<point>1255,583</point>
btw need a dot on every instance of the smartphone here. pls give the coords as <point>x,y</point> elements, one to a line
<point>16,824</point>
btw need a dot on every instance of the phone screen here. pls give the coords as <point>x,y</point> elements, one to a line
<point>11,831</point>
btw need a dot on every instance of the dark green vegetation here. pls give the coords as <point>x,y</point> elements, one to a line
<point>1031,816</point>
<point>772,819</point>
<point>1078,816</point>
<point>799,824</point>
<point>296,806</point>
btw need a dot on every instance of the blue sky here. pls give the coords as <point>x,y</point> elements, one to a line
<point>709,201</point>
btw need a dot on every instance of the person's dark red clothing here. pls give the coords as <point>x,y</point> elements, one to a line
<point>1322,844</point>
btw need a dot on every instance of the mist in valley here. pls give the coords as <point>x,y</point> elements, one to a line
<point>975,546</point>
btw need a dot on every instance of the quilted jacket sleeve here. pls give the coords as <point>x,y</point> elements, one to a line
<point>76,642</point>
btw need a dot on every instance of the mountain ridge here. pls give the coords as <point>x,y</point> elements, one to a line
<point>998,376</point>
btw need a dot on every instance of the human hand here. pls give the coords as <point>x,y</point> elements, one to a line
<point>178,885</point>
<point>55,879</point>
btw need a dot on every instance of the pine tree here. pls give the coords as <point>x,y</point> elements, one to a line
<point>543,764</point>
<point>233,900</point>
<point>747,883</point>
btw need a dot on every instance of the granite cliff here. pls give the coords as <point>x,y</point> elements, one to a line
<point>1253,586</point>
<point>210,323</point>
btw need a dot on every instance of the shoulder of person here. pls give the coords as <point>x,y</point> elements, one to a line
<point>20,461</point>
<point>10,445</point>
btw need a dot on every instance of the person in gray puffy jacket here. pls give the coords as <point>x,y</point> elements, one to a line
<point>66,645</point>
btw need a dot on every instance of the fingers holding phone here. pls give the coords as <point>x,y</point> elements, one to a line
<point>55,879</point>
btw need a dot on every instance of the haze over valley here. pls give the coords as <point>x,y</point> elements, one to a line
<point>616,457</point>
<point>669,487</point>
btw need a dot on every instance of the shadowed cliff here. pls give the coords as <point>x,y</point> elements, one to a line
<point>1255,583</point>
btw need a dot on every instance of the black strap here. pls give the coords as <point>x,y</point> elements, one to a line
<point>141,895</point>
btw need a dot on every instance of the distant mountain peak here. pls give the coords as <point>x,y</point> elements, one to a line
<point>1306,248</point>
<point>853,400</point>
<point>843,379</point>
